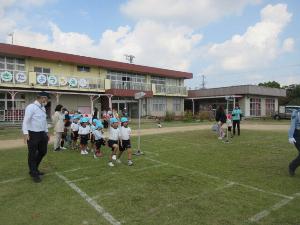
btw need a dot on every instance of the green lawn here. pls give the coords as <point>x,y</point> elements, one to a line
<point>183,178</point>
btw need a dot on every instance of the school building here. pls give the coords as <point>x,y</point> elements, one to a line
<point>82,83</point>
<point>254,101</point>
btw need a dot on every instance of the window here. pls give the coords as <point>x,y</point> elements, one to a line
<point>158,80</point>
<point>11,64</point>
<point>159,104</point>
<point>255,107</point>
<point>42,70</point>
<point>270,106</point>
<point>83,68</point>
<point>177,104</point>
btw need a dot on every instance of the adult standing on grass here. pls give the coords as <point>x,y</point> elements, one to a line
<point>35,130</point>
<point>294,138</point>
<point>221,119</point>
<point>59,126</point>
<point>236,119</point>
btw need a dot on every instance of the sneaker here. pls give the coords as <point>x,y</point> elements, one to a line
<point>63,148</point>
<point>57,149</point>
<point>130,163</point>
<point>291,172</point>
<point>220,138</point>
<point>119,161</point>
<point>114,157</point>
<point>111,164</point>
<point>95,157</point>
<point>82,153</point>
<point>86,152</point>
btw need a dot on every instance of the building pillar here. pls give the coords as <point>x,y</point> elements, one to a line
<point>13,94</point>
<point>57,96</point>
<point>193,106</point>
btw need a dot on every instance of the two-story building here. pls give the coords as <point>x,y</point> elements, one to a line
<point>81,83</point>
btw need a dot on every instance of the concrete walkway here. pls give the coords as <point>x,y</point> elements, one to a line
<point>9,144</point>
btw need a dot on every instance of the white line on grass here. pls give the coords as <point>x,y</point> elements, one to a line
<point>12,180</point>
<point>89,200</point>
<point>218,178</point>
<point>266,212</point>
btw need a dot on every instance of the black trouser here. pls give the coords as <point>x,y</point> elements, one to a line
<point>37,149</point>
<point>236,123</point>
<point>296,162</point>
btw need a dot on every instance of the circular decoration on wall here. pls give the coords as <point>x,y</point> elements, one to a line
<point>63,81</point>
<point>41,79</point>
<point>6,76</point>
<point>52,80</point>
<point>21,77</point>
<point>83,83</point>
<point>73,82</point>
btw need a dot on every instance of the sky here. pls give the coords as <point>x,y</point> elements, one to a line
<point>228,42</point>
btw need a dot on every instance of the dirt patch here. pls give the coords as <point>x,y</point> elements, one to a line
<point>9,144</point>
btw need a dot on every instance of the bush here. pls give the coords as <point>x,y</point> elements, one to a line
<point>204,115</point>
<point>169,116</point>
<point>188,116</point>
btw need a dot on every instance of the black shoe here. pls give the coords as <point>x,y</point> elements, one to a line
<point>291,172</point>
<point>57,149</point>
<point>36,179</point>
<point>41,173</point>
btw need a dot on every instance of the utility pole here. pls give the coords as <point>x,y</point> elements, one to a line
<point>12,37</point>
<point>129,58</point>
<point>203,82</point>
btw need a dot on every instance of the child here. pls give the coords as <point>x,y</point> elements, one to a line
<point>92,137</point>
<point>229,124</point>
<point>84,132</point>
<point>74,130</point>
<point>125,132</point>
<point>98,134</point>
<point>114,136</point>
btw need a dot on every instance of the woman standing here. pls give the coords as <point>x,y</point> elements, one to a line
<point>221,119</point>
<point>294,138</point>
<point>58,124</point>
<point>236,119</point>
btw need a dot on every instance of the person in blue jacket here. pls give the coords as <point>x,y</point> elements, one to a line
<point>294,138</point>
<point>236,119</point>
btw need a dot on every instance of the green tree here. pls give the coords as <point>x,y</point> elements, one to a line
<point>271,84</point>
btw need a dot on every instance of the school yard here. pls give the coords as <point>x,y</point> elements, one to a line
<point>185,177</point>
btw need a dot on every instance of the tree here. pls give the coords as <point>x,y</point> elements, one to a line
<point>292,96</point>
<point>270,84</point>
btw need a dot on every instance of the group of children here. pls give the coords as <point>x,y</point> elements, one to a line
<point>119,137</point>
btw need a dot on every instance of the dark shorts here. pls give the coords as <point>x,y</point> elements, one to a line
<point>111,143</point>
<point>125,145</point>
<point>229,129</point>
<point>84,139</point>
<point>74,135</point>
<point>99,142</point>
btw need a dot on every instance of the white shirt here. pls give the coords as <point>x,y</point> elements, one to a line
<point>125,133</point>
<point>35,118</point>
<point>58,121</point>
<point>229,123</point>
<point>74,126</point>
<point>114,134</point>
<point>84,130</point>
<point>97,134</point>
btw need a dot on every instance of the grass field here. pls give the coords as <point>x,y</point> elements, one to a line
<point>183,179</point>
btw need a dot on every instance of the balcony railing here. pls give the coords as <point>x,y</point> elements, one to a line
<point>127,85</point>
<point>70,82</point>
<point>13,77</point>
<point>166,89</point>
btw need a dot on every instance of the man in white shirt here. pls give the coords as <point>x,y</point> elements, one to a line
<point>35,130</point>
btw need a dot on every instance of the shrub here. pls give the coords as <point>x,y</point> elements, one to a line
<point>169,116</point>
<point>188,116</point>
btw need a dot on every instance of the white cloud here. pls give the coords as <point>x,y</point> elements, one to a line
<point>195,13</point>
<point>258,46</point>
<point>288,45</point>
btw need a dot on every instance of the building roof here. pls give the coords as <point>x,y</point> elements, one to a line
<point>237,90</point>
<point>21,51</point>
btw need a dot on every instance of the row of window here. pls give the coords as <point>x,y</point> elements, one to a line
<point>159,104</point>
<point>255,106</point>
